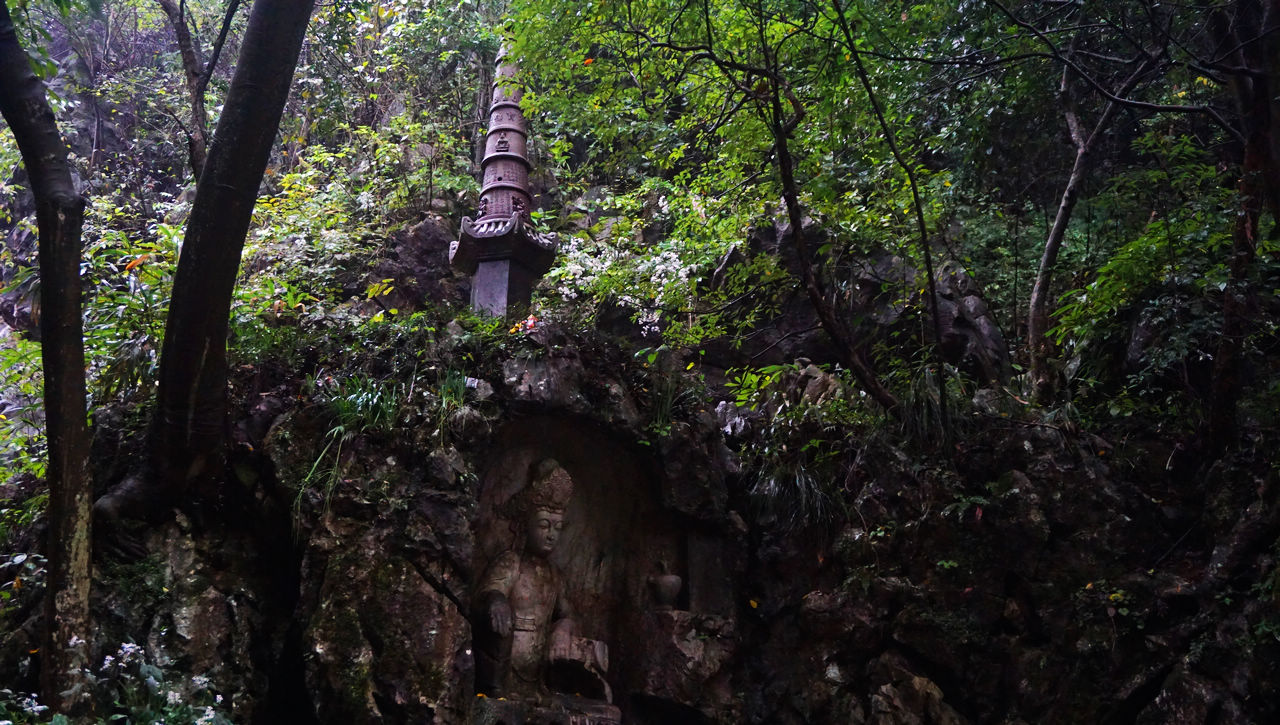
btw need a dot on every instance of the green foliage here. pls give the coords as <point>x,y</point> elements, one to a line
<point>752,387</point>
<point>22,441</point>
<point>653,252</point>
<point>1167,280</point>
<point>129,687</point>
<point>270,317</point>
<point>801,447</point>
<point>667,120</point>
<point>315,238</point>
<point>17,515</point>
<point>484,340</point>
<point>686,154</point>
<point>672,392</point>
<point>960,507</point>
<point>128,274</point>
<point>10,158</point>
<point>21,708</point>
<point>377,176</point>
<point>1267,589</point>
<point>371,57</point>
<point>450,397</point>
<point>23,582</point>
<point>358,405</point>
<point>141,581</point>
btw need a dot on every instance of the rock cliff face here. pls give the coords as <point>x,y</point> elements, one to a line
<point>1026,578</point>
<point>389,553</point>
<point>1033,574</point>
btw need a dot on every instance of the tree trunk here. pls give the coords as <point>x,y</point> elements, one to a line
<point>1038,346</point>
<point>188,429</point>
<point>193,69</point>
<point>931,285</point>
<point>850,353</point>
<point>1253,33</point>
<point>59,213</point>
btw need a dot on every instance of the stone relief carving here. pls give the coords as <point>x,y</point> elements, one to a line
<point>528,659</point>
<point>521,618</point>
<point>640,589</point>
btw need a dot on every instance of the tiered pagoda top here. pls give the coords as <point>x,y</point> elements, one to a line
<point>505,168</point>
<point>502,231</point>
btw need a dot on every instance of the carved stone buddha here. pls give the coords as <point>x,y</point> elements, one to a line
<point>529,665</point>
<point>520,616</point>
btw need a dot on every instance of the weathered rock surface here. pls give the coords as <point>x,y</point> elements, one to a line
<point>883,288</point>
<point>1027,578</point>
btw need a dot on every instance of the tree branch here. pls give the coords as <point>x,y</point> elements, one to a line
<point>1114,98</point>
<point>203,82</point>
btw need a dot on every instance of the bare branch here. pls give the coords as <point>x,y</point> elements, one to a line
<point>1114,98</point>
<point>203,82</point>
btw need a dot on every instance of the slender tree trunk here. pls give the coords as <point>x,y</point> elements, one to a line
<point>781,125</point>
<point>851,355</point>
<point>1038,306</point>
<point>926,254</point>
<point>1253,33</point>
<point>59,213</point>
<point>193,69</point>
<point>1038,345</point>
<point>188,430</point>
<point>1237,300</point>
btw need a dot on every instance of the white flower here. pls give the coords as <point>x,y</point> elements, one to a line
<point>208,718</point>
<point>75,641</point>
<point>106,662</point>
<point>200,682</point>
<point>32,705</point>
<point>173,697</point>
<point>129,651</point>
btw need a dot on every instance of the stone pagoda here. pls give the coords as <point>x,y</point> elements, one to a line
<point>499,248</point>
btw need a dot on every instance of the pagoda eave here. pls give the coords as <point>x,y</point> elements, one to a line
<point>489,240</point>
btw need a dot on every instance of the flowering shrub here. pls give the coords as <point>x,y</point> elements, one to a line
<point>129,687</point>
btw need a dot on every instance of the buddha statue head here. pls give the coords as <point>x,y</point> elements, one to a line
<point>550,490</point>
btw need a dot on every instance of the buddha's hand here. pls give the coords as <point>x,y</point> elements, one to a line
<point>561,645</point>
<point>500,618</point>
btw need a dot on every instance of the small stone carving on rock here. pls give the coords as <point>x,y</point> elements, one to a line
<point>665,588</point>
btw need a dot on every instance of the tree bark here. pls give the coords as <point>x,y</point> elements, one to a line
<point>1038,346</point>
<point>192,70</point>
<point>188,429</point>
<point>926,255</point>
<point>59,214</point>
<point>850,352</point>
<point>1253,33</point>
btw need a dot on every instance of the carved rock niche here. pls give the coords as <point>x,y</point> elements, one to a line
<point>617,544</point>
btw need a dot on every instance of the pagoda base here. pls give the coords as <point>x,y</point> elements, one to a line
<point>502,288</point>
<point>505,259</point>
